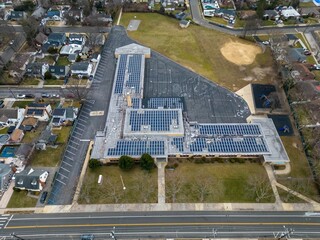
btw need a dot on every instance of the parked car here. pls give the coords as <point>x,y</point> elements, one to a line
<point>55,95</point>
<point>21,95</point>
<point>307,53</point>
<point>29,96</point>
<point>87,237</point>
<point>1,104</point>
<point>45,95</point>
<point>43,197</point>
<point>11,129</point>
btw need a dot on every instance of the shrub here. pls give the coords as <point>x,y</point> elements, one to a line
<point>94,163</point>
<point>47,75</point>
<point>146,162</point>
<point>126,162</point>
<point>52,50</point>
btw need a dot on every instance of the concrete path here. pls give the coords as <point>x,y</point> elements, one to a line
<point>7,195</point>
<point>273,182</point>
<point>161,182</point>
<point>313,44</point>
<point>297,194</point>
<point>285,171</point>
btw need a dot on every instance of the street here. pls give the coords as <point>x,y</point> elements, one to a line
<point>165,225</point>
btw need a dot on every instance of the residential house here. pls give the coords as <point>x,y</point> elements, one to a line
<point>29,123</point>
<point>16,136</point>
<point>41,111</point>
<point>72,57</point>
<point>184,23</point>
<point>296,55</point>
<point>31,180</point>
<point>301,72</point>
<point>70,49</point>
<point>81,69</point>
<point>99,19</point>
<point>95,57</point>
<point>228,14</point>
<point>289,12</point>
<point>36,69</point>
<point>75,13</point>
<point>293,39</point>
<point>271,15</point>
<point>46,138</point>
<point>5,176</point>
<point>55,40</point>
<point>24,153</point>
<point>54,15</point>
<point>60,115</point>
<point>77,39</point>
<point>38,13</point>
<point>11,116</point>
<point>18,15</point>
<point>59,71</point>
<point>40,39</point>
<point>310,12</point>
<point>181,15</point>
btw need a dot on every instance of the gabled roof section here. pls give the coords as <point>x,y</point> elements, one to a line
<point>133,48</point>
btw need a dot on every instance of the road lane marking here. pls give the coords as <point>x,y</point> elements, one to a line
<point>161,224</point>
<point>8,221</point>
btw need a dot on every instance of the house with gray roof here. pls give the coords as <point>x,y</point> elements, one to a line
<point>36,69</point>
<point>60,115</point>
<point>296,55</point>
<point>59,71</point>
<point>46,138</point>
<point>38,13</point>
<point>40,39</point>
<point>11,116</point>
<point>17,15</point>
<point>81,68</point>
<point>24,152</point>
<point>5,176</point>
<point>31,179</point>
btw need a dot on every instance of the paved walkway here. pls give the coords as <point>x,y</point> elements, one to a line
<point>7,195</point>
<point>313,44</point>
<point>273,182</point>
<point>161,182</point>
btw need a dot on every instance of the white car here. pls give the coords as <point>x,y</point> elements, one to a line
<point>21,95</point>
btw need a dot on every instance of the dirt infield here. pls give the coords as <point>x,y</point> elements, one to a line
<point>239,53</point>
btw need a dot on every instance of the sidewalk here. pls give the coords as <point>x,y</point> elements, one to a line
<point>7,195</point>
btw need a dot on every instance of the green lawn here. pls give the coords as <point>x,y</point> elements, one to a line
<point>47,158</point>
<point>21,200</point>
<point>300,175</point>
<point>286,197</point>
<point>4,130</point>
<point>21,104</point>
<point>72,103</point>
<point>53,82</point>
<point>30,81</point>
<point>47,59</point>
<point>63,134</point>
<point>62,61</point>
<point>227,182</point>
<point>196,48</point>
<point>33,135</point>
<point>141,187</point>
<point>306,4</point>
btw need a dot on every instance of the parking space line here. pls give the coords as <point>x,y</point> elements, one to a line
<point>85,116</point>
<point>83,121</point>
<point>73,147</point>
<point>73,142</point>
<point>79,129</point>
<point>69,158</point>
<point>65,169</point>
<point>70,152</point>
<point>60,182</point>
<point>67,163</point>
<point>63,175</point>
<point>82,124</point>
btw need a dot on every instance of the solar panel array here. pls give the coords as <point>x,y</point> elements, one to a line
<point>122,62</point>
<point>157,120</point>
<point>135,103</point>
<point>137,148</point>
<point>134,71</point>
<point>36,112</point>
<point>178,142</point>
<point>229,145</point>
<point>170,103</point>
<point>230,129</point>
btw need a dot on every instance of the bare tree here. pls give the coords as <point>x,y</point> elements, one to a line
<point>79,92</point>
<point>174,184</point>
<point>85,192</point>
<point>259,187</point>
<point>145,186</point>
<point>205,186</point>
<point>114,191</point>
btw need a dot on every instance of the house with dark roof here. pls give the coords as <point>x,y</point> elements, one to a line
<point>36,69</point>
<point>24,152</point>
<point>75,13</point>
<point>5,176</point>
<point>40,39</point>
<point>72,57</point>
<point>292,39</point>
<point>61,115</point>
<point>59,71</point>
<point>309,12</point>
<point>55,40</point>
<point>31,180</point>
<point>76,38</point>
<point>81,69</point>
<point>271,15</point>
<point>54,15</point>
<point>38,13</point>
<point>41,111</point>
<point>46,138</point>
<point>17,15</point>
<point>11,116</point>
<point>296,55</point>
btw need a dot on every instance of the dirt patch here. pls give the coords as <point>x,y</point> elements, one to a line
<point>239,53</point>
<point>261,73</point>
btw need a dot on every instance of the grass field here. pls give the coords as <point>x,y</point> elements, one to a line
<point>141,187</point>
<point>33,135</point>
<point>30,81</point>
<point>231,177</point>
<point>62,61</point>
<point>299,178</point>
<point>21,200</point>
<point>196,48</point>
<point>21,104</point>
<point>4,130</point>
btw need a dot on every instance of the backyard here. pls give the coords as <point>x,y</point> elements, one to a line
<point>205,57</point>
<point>140,186</point>
<point>20,199</point>
<point>215,182</point>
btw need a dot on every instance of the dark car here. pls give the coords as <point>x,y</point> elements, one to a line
<point>11,129</point>
<point>87,237</point>
<point>29,96</point>
<point>1,104</point>
<point>307,53</point>
<point>45,95</point>
<point>43,197</point>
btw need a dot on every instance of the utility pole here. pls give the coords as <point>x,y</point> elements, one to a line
<point>14,235</point>
<point>112,233</point>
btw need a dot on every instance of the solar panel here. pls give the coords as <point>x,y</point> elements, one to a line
<point>137,148</point>
<point>136,103</point>
<point>122,62</point>
<point>229,129</point>
<point>134,71</point>
<point>157,120</point>
<point>229,145</point>
<point>36,112</point>
<point>178,142</point>
<point>171,103</point>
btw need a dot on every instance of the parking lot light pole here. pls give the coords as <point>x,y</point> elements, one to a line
<point>124,187</point>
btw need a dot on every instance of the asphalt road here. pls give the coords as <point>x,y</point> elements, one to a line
<point>12,92</point>
<point>164,225</point>
<point>197,18</point>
